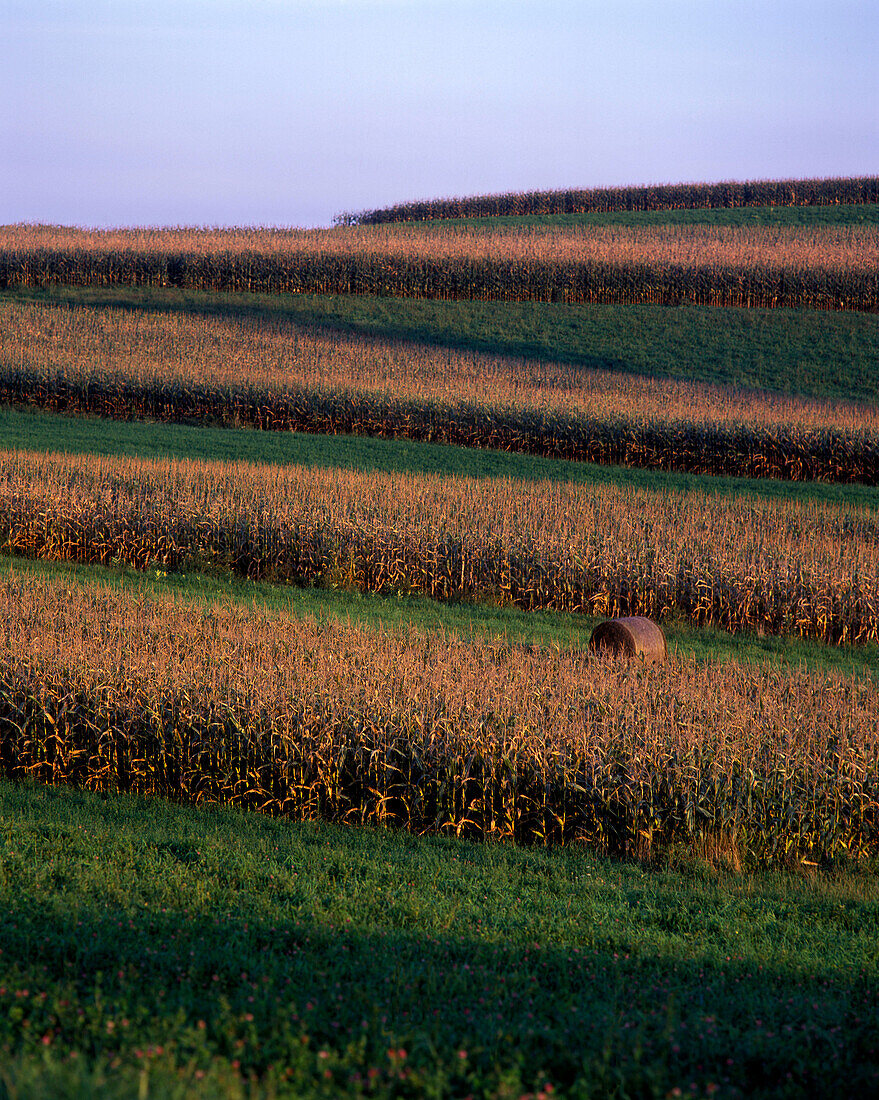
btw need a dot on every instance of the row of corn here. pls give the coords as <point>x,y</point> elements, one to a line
<point>115,691</point>
<point>806,569</point>
<point>479,279</point>
<point>676,196</point>
<point>667,265</point>
<point>735,450</point>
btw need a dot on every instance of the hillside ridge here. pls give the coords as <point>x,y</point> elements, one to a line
<point>829,191</point>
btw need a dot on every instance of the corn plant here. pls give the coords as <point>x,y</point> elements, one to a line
<point>783,567</point>
<point>113,691</point>
<point>824,268</point>
<point>275,375</point>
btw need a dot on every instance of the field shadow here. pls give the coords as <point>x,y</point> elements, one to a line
<point>459,325</point>
<point>812,353</point>
<point>131,924</point>
<point>229,985</point>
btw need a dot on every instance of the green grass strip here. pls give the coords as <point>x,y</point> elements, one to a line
<point>814,353</point>
<point>543,628</point>
<point>845,214</point>
<point>38,431</point>
<point>153,950</point>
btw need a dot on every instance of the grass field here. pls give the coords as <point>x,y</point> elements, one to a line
<point>155,951</point>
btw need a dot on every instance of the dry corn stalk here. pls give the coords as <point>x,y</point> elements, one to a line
<point>117,691</point>
<point>818,268</point>
<point>810,570</point>
<point>272,374</point>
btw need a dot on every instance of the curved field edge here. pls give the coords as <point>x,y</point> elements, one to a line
<point>166,950</point>
<point>552,630</point>
<point>34,430</point>
<point>662,197</point>
<point>817,354</point>
<point>787,453</point>
<point>735,451</point>
<point>51,345</point>
<point>270,374</point>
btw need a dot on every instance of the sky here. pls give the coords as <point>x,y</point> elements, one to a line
<point>288,112</point>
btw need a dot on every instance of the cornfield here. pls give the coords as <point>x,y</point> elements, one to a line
<point>810,570</point>
<point>272,374</point>
<point>675,196</point>
<point>216,704</point>
<point>826,268</point>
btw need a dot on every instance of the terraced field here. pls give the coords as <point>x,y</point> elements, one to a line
<point>337,558</point>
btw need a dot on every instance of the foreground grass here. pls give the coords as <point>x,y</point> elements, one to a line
<point>543,628</point>
<point>814,353</point>
<point>153,950</point>
<point>38,431</point>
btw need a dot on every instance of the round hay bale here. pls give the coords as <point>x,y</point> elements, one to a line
<point>634,636</point>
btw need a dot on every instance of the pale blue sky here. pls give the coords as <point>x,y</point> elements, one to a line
<point>286,112</point>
